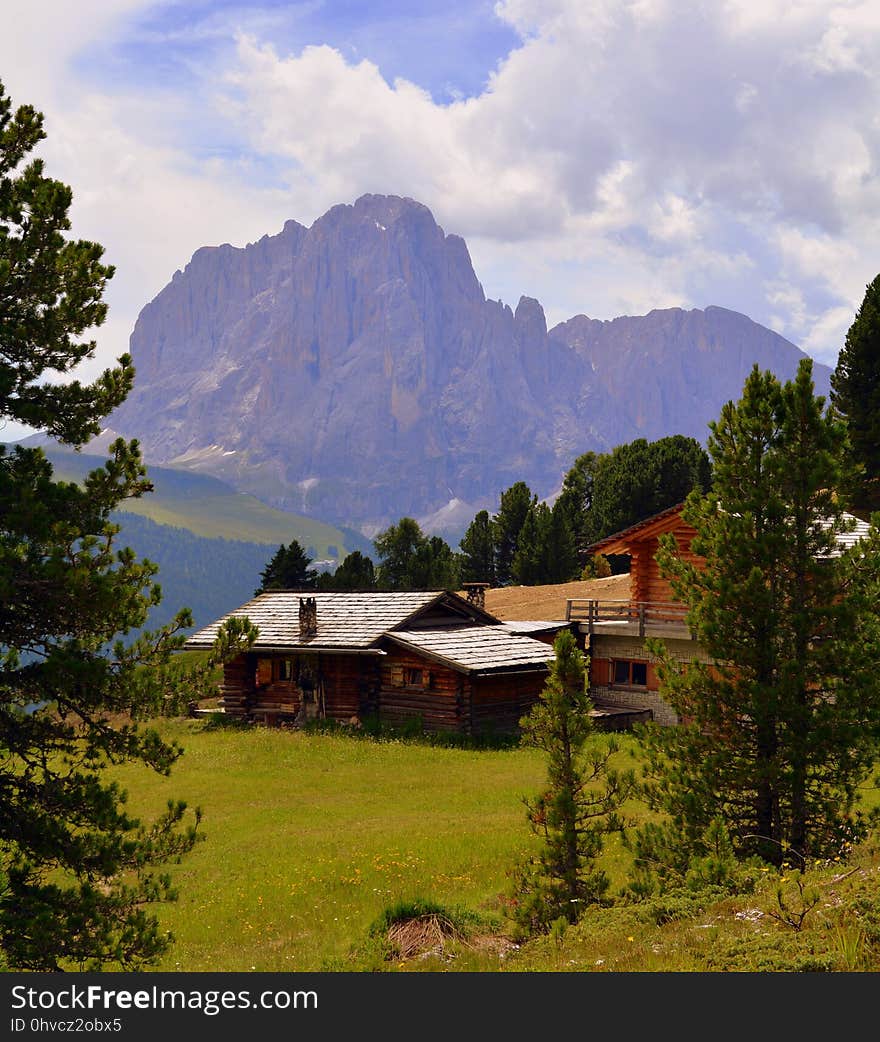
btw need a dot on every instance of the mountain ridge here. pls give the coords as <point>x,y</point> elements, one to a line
<point>356,371</point>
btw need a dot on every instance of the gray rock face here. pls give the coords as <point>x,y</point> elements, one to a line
<point>355,371</point>
<point>670,371</point>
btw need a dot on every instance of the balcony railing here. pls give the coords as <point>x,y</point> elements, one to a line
<point>627,616</point>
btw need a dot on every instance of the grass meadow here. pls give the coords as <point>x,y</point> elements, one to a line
<point>310,837</point>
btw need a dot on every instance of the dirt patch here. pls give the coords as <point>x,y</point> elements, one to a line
<point>517,603</point>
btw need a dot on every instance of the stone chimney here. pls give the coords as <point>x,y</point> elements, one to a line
<point>476,593</point>
<point>308,617</point>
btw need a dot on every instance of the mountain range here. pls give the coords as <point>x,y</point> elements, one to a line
<point>355,371</point>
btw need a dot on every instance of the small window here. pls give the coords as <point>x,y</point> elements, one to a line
<point>414,677</point>
<point>282,669</point>
<point>629,674</point>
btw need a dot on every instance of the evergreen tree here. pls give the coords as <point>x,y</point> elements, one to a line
<point>781,729</point>
<point>563,560</point>
<point>506,527</point>
<point>76,868</point>
<point>477,558</point>
<point>579,805</point>
<point>397,548</point>
<point>575,500</point>
<point>545,550</point>
<point>532,562</point>
<point>436,566</point>
<point>355,572</point>
<point>598,567</point>
<point>288,569</point>
<point>410,560</point>
<point>855,393</point>
<point>642,478</point>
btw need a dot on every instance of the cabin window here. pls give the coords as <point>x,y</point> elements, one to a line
<point>414,677</point>
<point>628,673</point>
<point>283,669</point>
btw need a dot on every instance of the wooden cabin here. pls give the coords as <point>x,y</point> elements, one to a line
<point>622,671</point>
<point>427,655</point>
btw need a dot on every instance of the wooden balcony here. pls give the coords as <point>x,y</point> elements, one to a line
<point>629,618</point>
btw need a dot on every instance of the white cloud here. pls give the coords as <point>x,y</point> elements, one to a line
<point>640,130</point>
<point>628,154</point>
<point>827,334</point>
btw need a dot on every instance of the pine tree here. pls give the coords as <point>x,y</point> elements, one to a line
<point>598,567</point>
<point>855,393</point>
<point>397,547</point>
<point>528,567</point>
<point>477,558</point>
<point>436,566</point>
<point>355,572</point>
<point>642,478</point>
<point>580,804</point>
<point>781,729</point>
<point>77,869</point>
<point>288,569</point>
<point>506,527</point>
<point>410,560</point>
<point>576,500</point>
<point>563,560</point>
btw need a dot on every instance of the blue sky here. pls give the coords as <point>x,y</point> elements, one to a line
<point>450,49</point>
<point>605,156</point>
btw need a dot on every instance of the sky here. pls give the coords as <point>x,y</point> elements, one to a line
<point>607,157</point>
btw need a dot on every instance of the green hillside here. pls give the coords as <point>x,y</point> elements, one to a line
<point>209,576</point>
<point>210,508</point>
<point>209,541</point>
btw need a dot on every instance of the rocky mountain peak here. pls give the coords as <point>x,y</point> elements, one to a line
<point>355,371</point>
<point>529,317</point>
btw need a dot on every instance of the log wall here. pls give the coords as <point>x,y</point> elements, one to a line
<point>499,702</point>
<point>237,688</point>
<point>442,704</point>
<point>341,676</point>
<point>348,684</point>
<point>646,582</point>
<point>354,685</point>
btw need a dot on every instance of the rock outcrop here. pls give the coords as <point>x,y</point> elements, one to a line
<point>355,371</point>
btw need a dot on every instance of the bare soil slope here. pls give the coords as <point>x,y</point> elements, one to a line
<point>548,602</point>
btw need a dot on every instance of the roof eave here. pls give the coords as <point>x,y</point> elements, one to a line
<point>291,649</point>
<point>615,542</point>
<point>460,667</point>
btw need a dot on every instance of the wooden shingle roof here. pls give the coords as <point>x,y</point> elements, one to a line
<point>665,520</point>
<point>526,626</point>
<point>846,540</point>
<point>477,649</point>
<point>346,621</point>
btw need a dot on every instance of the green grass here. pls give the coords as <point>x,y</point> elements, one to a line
<point>311,838</point>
